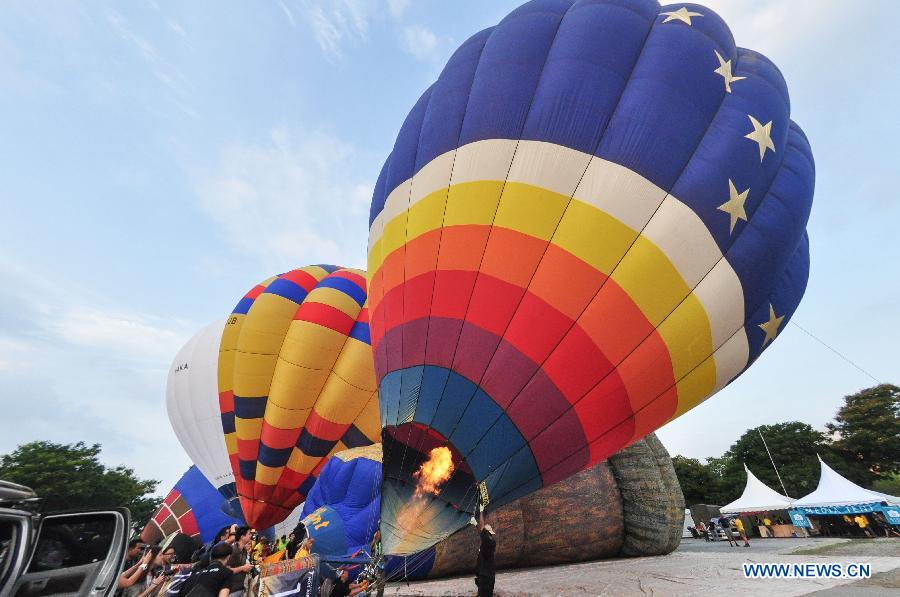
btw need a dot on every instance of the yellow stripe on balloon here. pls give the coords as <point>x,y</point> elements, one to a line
<point>334,298</point>
<point>340,402</point>
<point>248,428</point>
<point>282,417</point>
<point>311,345</point>
<point>607,245</point>
<point>267,475</point>
<point>354,365</point>
<point>369,420</point>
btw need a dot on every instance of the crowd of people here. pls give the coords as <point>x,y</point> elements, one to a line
<point>722,528</point>
<point>219,568</point>
<point>860,525</point>
<point>224,566</point>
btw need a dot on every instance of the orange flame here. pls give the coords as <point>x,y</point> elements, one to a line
<point>435,471</point>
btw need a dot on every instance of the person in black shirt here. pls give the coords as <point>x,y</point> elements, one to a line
<point>485,568</point>
<point>215,579</point>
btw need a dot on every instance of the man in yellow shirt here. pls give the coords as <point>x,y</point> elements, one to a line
<point>739,525</point>
<point>863,523</point>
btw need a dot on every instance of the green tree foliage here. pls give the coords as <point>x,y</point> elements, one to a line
<point>695,478</point>
<point>794,446</point>
<point>67,476</point>
<point>867,432</point>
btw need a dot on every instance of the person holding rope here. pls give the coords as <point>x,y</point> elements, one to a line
<point>485,569</point>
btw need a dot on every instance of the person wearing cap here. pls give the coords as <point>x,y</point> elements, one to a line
<point>485,567</point>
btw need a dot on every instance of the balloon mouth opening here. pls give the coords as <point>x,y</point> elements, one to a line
<point>428,489</point>
<point>414,453</point>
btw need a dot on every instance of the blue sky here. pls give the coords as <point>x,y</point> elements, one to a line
<point>157,159</point>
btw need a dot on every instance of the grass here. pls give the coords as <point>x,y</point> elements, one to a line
<point>824,549</point>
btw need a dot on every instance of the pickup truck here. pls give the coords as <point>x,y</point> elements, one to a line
<point>60,553</point>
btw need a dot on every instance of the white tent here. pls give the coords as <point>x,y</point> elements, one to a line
<point>835,490</point>
<point>757,497</point>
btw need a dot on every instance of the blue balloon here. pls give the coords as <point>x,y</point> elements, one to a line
<point>342,509</point>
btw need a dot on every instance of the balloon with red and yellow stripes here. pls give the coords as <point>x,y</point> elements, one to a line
<point>591,222</point>
<point>296,384</point>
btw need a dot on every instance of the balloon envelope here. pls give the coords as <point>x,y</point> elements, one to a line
<point>192,507</point>
<point>591,222</point>
<point>296,384</point>
<point>347,495</point>
<point>192,402</point>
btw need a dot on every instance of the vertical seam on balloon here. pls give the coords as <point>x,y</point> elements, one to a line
<point>653,24</point>
<point>484,252</point>
<point>440,240</point>
<point>688,373</point>
<point>430,91</point>
<point>258,440</point>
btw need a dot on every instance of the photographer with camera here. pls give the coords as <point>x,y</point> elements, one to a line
<point>139,560</point>
<point>215,579</point>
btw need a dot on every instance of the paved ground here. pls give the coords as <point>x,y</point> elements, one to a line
<point>695,568</point>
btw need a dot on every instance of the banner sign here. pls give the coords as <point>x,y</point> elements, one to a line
<point>799,519</point>
<point>851,509</point>
<point>892,513</point>
<point>294,578</point>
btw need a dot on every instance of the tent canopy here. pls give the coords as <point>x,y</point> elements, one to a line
<point>757,497</point>
<point>835,490</point>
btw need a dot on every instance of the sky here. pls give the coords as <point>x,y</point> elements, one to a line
<point>158,159</point>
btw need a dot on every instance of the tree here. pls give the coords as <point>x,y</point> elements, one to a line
<point>695,479</point>
<point>867,432</point>
<point>67,476</point>
<point>794,446</point>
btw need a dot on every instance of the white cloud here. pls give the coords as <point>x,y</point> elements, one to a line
<point>338,22</point>
<point>774,27</point>
<point>287,12</point>
<point>178,86</point>
<point>398,8</point>
<point>74,367</point>
<point>124,334</point>
<point>421,42</point>
<point>291,200</point>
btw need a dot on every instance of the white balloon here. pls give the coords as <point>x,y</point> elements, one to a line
<point>192,401</point>
<point>288,524</point>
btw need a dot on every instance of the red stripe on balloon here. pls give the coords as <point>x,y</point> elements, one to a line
<point>323,428</point>
<point>326,316</point>
<point>188,524</point>
<point>352,276</point>
<point>276,438</point>
<point>303,279</point>
<point>226,402</point>
<point>247,449</point>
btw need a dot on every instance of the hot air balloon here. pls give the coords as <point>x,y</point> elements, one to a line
<point>591,222</point>
<point>296,384</point>
<point>192,402</point>
<point>192,507</point>
<point>347,498</point>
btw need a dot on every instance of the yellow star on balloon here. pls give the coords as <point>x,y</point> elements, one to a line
<point>682,14</point>
<point>725,70</point>
<point>761,135</point>
<point>771,327</point>
<point>735,205</point>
